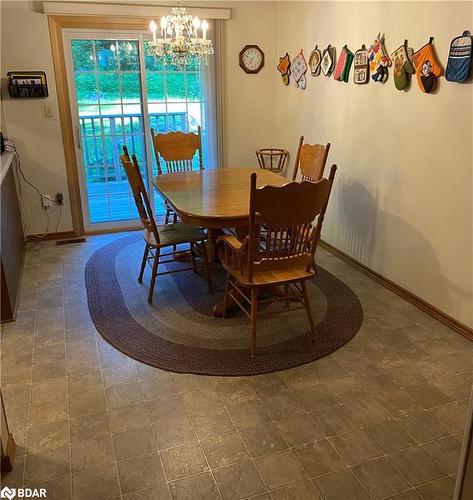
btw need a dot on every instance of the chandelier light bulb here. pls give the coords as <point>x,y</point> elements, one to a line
<point>153,27</point>
<point>164,22</point>
<point>205,27</point>
<point>196,22</point>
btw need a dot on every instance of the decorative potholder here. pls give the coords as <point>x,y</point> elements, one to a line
<point>315,60</point>
<point>284,67</point>
<point>342,69</point>
<point>459,58</point>
<point>298,70</point>
<point>403,67</point>
<point>427,67</point>
<point>328,60</point>
<point>361,73</point>
<point>302,83</point>
<point>379,60</point>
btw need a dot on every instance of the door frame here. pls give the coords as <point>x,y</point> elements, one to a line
<point>86,34</point>
<point>56,24</point>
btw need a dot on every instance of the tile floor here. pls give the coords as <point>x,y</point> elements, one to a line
<point>382,417</point>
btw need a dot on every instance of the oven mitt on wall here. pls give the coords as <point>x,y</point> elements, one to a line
<point>315,61</point>
<point>284,67</point>
<point>379,60</point>
<point>459,58</point>
<point>403,68</point>
<point>340,64</point>
<point>298,70</point>
<point>361,73</point>
<point>328,60</point>
<point>347,66</point>
<point>427,67</point>
<point>342,69</point>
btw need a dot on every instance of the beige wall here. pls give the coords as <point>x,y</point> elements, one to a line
<point>250,110</point>
<point>25,46</point>
<point>402,203</point>
<point>250,98</point>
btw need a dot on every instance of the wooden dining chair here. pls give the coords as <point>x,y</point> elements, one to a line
<point>157,237</point>
<point>176,150</point>
<point>285,256</point>
<point>310,160</point>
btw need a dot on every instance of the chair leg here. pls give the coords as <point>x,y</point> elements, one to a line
<point>143,264</point>
<point>226,298</point>
<point>205,258</point>
<point>286,292</point>
<point>153,276</point>
<point>254,311</point>
<point>193,257</point>
<point>307,308</point>
<point>174,221</point>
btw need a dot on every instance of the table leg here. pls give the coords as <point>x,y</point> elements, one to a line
<point>212,235</point>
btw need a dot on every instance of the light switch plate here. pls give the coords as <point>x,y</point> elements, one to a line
<point>47,111</point>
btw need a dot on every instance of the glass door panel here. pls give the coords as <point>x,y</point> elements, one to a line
<point>110,113</point>
<point>175,97</point>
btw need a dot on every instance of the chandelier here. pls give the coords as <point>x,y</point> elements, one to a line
<point>180,43</point>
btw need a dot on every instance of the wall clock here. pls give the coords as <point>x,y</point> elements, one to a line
<point>251,59</point>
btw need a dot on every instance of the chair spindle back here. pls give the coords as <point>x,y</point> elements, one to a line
<point>287,214</point>
<point>310,160</point>
<point>177,149</point>
<point>139,192</point>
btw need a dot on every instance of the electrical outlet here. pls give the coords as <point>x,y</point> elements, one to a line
<point>46,201</point>
<point>59,199</point>
<point>47,111</point>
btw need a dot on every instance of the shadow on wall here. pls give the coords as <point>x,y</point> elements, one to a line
<point>381,241</point>
<point>358,213</point>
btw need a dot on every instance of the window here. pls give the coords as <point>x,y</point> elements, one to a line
<point>121,91</point>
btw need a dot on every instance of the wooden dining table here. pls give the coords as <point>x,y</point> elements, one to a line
<point>214,199</point>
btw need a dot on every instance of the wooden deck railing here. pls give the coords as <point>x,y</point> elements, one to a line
<point>103,137</point>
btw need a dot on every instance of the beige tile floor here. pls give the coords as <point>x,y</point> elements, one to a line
<point>382,417</point>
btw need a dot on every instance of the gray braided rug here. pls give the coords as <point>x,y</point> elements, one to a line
<point>179,333</point>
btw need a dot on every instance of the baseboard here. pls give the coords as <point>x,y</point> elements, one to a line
<point>51,236</point>
<point>124,229</point>
<point>402,292</point>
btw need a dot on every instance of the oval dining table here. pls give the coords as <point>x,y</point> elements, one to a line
<point>215,199</point>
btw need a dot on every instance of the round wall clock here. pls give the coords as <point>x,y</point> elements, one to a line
<point>251,58</point>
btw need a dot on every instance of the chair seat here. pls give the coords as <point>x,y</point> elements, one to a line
<point>271,277</point>
<point>174,234</point>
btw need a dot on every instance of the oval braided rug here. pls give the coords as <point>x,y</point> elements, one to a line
<point>179,333</point>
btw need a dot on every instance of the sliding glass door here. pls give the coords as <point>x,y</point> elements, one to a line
<point>118,91</point>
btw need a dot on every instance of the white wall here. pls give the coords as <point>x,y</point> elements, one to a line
<point>402,203</point>
<point>25,45</point>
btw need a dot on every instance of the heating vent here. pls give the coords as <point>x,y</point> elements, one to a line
<point>68,242</point>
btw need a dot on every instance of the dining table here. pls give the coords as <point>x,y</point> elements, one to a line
<point>215,199</point>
